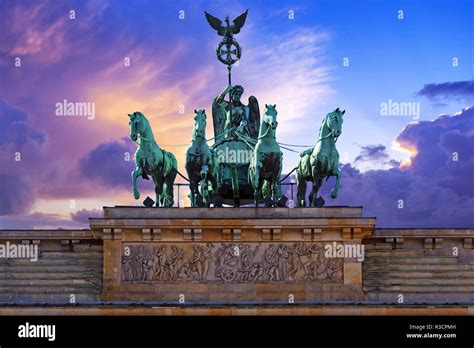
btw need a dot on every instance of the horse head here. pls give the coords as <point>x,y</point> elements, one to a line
<point>270,116</point>
<point>136,124</point>
<point>199,130</point>
<point>334,122</point>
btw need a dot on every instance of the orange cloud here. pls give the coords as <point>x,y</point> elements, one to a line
<point>406,148</point>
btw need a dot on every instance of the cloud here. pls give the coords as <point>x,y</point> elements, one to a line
<point>372,153</point>
<point>83,215</point>
<point>108,165</point>
<point>22,147</point>
<point>459,89</point>
<point>16,129</point>
<point>39,221</point>
<point>433,143</point>
<point>17,194</point>
<point>50,34</point>
<point>374,157</point>
<point>303,83</point>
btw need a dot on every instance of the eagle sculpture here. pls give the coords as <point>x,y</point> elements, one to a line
<point>228,30</point>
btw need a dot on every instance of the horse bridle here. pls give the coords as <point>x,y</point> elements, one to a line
<point>328,135</point>
<point>268,129</point>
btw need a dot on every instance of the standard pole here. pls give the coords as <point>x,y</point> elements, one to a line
<point>229,68</point>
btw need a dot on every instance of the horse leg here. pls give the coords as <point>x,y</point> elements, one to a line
<point>335,190</point>
<point>135,174</point>
<point>255,195</point>
<point>169,181</point>
<point>273,192</point>
<point>158,181</point>
<point>214,189</point>
<point>192,189</point>
<point>275,180</point>
<point>317,180</point>
<point>205,191</point>
<point>198,199</point>
<point>300,191</point>
<point>257,187</point>
<point>258,191</point>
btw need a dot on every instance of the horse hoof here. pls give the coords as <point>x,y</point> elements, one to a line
<point>136,195</point>
<point>333,195</point>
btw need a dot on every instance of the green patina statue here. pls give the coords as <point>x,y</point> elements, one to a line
<point>151,160</point>
<point>320,161</point>
<point>267,158</point>
<point>234,116</point>
<point>201,164</point>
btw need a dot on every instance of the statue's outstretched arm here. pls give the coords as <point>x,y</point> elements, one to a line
<point>220,97</point>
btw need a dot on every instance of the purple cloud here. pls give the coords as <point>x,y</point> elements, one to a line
<point>83,215</point>
<point>16,128</point>
<point>444,149</point>
<point>107,163</point>
<point>372,153</point>
<point>39,221</point>
<point>448,89</point>
<point>17,194</point>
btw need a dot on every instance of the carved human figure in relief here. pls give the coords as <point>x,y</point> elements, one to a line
<point>174,264</point>
<point>205,258</point>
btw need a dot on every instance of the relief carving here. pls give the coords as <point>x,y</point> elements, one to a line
<point>229,262</point>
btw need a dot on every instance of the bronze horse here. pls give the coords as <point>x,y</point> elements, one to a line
<point>151,160</point>
<point>267,158</point>
<point>320,161</point>
<point>201,164</point>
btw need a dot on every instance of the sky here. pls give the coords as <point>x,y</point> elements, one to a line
<point>409,169</point>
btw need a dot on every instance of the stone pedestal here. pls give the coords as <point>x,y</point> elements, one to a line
<point>230,255</point>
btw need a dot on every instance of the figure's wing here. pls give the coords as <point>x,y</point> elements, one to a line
<point>218,119</point>
<point>254,117</point>
<point>239,22</point>
<point>215,23</point>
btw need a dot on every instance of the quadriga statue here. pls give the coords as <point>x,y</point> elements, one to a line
<point>321,161</point>
<point>267,158</point>
<point>151,160</point>
<point>201,164</point>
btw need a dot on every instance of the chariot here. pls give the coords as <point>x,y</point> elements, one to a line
<point>233,151</point>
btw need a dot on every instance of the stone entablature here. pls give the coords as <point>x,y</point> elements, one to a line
<point>222,254</point>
